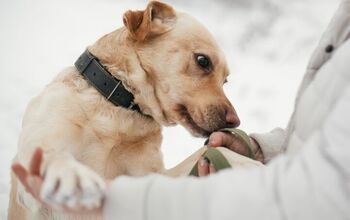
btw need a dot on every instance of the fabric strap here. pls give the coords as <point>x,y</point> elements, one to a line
<point>214,157</point>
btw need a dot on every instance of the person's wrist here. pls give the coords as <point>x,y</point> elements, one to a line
<point>259,156</point>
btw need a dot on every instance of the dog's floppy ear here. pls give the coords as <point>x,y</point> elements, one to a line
<point>157,19</point>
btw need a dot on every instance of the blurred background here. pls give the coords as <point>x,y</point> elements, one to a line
<point>267,44</point>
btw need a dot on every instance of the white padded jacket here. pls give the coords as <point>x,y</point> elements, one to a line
<point>308,174</point>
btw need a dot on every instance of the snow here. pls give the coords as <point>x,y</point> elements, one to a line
<point>267,44</point>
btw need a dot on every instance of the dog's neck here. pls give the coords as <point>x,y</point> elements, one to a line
<point>111,51</point>
<point>116,52</point>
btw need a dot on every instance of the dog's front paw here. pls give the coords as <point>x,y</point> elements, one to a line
<point>72,184</point>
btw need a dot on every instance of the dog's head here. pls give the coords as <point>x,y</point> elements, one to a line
<point>178,70</point>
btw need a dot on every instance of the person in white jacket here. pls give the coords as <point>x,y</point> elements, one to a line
<point>307,175</point>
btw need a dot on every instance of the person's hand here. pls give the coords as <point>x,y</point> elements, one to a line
<point>33,181</point>
<point>223,139</point>
<point>230,141</point>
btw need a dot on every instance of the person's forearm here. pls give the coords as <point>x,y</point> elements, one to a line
<point>258,154</point>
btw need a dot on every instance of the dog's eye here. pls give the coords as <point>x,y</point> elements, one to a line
<point>203,62</point>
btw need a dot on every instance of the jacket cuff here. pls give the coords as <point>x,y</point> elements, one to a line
<point>126,198</point>
<point>271,143</point>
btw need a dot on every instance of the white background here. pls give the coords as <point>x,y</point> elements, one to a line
<point>267,44</point>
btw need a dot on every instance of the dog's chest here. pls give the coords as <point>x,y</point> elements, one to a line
<point>120,143</point>
<point>102,119</point>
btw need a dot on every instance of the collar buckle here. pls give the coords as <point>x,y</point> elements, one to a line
<point>115,88</point>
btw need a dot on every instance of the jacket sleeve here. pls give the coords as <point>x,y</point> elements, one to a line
<point>311,184</point>
<point>271,143</point>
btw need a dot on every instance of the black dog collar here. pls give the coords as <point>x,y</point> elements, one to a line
<point>111,88</point>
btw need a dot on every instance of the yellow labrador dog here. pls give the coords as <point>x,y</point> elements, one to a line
<point>162,68</point>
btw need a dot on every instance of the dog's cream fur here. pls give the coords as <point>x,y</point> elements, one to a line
<point>83,134</point>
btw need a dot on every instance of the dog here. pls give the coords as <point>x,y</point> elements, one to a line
<point>175,72</point>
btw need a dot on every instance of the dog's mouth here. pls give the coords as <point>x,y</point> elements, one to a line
<point>186,120</point>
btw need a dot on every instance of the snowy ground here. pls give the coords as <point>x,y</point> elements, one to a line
<point>267,43</point>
